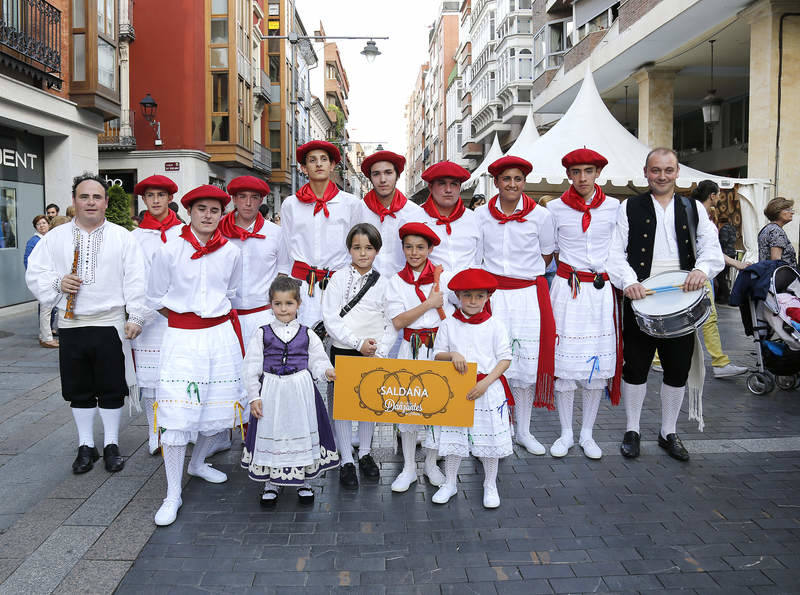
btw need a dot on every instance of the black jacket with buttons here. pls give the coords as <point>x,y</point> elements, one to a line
<point>642,233</point>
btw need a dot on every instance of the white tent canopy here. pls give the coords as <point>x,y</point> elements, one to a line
<point>588,123</point>
<point>495,153</point>
<point>527,136</point>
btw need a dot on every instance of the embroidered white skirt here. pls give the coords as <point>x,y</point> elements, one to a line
<point>489,436</point>
<point>147,352</point>
<point>586,343</point>
<point>519,311</point>
<point>200,380</point>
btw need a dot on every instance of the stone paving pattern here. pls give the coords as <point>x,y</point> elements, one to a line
<point>727,522</point>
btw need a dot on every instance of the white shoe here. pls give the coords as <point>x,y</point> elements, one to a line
<point>531,444</point>
<point>168,512</point>
<point>561,447</point>
<point>444,493</point>
<point>729,370</point>
<point>590,449</point>
<point>404,481</point>
<point>152,444</point>
<point>657,367</point>
<point>434,475</point>
<point>491,499</point>
<point>208,473</point>
<point>220,444</point>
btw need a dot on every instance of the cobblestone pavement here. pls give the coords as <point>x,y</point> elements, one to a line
<point>728,521</point>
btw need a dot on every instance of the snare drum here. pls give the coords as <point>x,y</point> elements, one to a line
<point>670,314</point>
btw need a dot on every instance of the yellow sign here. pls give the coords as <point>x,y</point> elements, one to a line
<point>403,391</point>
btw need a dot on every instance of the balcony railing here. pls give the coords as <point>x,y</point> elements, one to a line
<point>115,138</point>
<point>262,86</point>
<point>32,30</point>
<point>262,158</point>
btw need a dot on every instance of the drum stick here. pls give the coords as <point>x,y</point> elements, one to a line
<point>437,271</point>
<point>663,289</point>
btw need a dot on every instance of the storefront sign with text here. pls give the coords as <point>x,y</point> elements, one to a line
<point>403,391</point>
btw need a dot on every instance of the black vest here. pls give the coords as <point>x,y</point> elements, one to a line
<point>642,233</point>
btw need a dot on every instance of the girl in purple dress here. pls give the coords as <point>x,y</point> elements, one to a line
<point>289,439</point>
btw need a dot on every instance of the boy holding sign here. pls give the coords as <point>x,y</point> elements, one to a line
<point>473,334</point>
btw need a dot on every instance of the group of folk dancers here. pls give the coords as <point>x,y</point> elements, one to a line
<point>221,319</point>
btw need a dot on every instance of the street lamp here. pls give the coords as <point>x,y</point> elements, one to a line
<point>711,103</point>
<point>149,109</point>
<point>370,51</point>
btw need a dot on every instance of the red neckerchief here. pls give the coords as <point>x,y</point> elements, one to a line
<point>481,316</point>
<point>374,204</point>
<point>432,210</point>
<point>215,243</point>
<point>306,195</point>
<point>528,205</point>
<point>572,199</point>
<point>150,222</point>
<point>228,227</point>
<point>425,278</point>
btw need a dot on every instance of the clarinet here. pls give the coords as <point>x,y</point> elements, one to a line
<point>70,312</point>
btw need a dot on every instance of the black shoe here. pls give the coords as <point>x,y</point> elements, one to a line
<point>84,462</point>
<point>271,501</point>
<point>630,445</point>
<point>368,467</point>
<point>305,495</point>
<point>674,447</point>
<point>348,477</point>
<point>114,461</point>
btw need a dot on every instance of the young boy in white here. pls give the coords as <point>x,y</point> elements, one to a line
<point>472,334</point>
<point>518,244</point>
<point>357,326</point>
<point>158,225</point>
<point>416,306</point>
<point>192,281</point>
<point>588,351</point>
<point>315,222</point>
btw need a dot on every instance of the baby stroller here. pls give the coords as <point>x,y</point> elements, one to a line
<point>756,292</point>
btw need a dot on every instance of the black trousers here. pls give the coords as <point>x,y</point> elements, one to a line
<point>639,348</point>
<point>338,351</point>
<point>92,367</point>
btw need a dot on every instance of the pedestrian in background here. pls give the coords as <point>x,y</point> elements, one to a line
<point>42,226</point>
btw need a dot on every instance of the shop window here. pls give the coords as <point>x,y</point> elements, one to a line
<point>8,218</point>
<point>218,63</point>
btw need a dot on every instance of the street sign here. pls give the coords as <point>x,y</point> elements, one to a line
<point>172,166</point>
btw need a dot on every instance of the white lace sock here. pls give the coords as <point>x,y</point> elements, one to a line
<point>591,403</point>
<point>633,397</point>
<point>408,440</point>
<point>84,420</point>
<point>451,464</point>
<point>173,466</point>
<point>671,400</point>
<point>366,429</point>
<point>344,434</point>
<point>490,466</point>
<point>564,401</point>
<point>431,455</point>
<point>201,449</point>
<point>148,399</point>
<point>523,399</point>
<point>111,418</point>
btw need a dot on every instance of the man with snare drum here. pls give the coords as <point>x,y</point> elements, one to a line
<point>656,232</point>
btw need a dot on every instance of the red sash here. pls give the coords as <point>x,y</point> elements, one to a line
<point>506,388</point>
<point>564,271</point>
<point>311,275</point>
<point>191,321</point>
<point>245,312</point>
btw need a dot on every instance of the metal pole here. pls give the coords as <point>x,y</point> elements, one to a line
<point>293,103</point>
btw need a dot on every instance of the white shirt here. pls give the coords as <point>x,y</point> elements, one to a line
<point>204,286</point>
<point>462,248</point>
<point>515,249</point>
<point>391,259</point>
<point>111,268</point>
<point>317,240</point>
<point>253,366</point>
<point>261,261</point>
<point>584,251</point>
<point>401,297</point>
<point>665,245</point>
<point>150,242</point>
<point>486,343</point>
<point>365,321</point>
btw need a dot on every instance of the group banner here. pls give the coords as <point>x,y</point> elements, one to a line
<point>403,391</point>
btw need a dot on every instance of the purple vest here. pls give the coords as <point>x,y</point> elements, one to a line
<point>282,358</point>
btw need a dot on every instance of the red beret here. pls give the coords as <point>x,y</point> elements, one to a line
<point>206,191</point>
<point>507,162</point>
<point>397,160</point>
<point>584,157</point>
<point>162,182</point>
<point>473,279</point>
<point>419,229</point>
<point>248,184</point>
<point>445,169</point>
<point>318,145</point>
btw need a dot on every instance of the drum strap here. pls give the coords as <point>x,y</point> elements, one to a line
<point>691,224</point>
